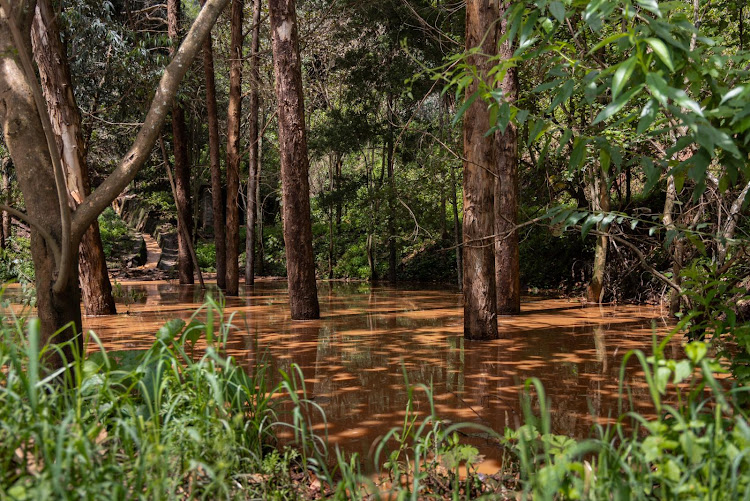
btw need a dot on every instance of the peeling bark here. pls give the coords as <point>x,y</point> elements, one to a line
<point>480,301</point>
<point>57,87</point>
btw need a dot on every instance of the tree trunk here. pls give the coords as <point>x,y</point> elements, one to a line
<point>480,301</point>
<point>181,167</point>
<point>253,168</point>
<point>390,161</point>
<point>601,202</point>
<point>27,145</point>
<point>57,87</point>
<point>303,293</point>
<point>457,232</point>
<point>233,150</point>
<point>507,266</point>
<point>217,198</point>
<point>6,198</point>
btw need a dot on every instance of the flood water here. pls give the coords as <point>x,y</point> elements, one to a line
<point>353,358</point>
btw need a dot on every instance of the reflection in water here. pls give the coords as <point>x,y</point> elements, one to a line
<point>354,358</point>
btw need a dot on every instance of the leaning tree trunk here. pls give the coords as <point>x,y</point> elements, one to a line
<point>391,222</point>
<point>233,150</point>
<point>507,266</point>
<point>65,118</point>
<point>480,302</point>
<point>181,166</point>
<point>27,145</point>
<point>295,164</point>
<point>253,168</point>
<point>217,200</point>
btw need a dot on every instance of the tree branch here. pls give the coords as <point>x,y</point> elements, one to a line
<point>128,167</point>
<point>63,263</point>
<point>51,242</point>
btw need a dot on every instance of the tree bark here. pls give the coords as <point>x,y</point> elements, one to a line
<point>7,200</point>
<point>217,198</point>
<point>233,150</point>
<point>57,87</point>
<point>507,266</point>
<point>181,167</point>
<point>303,293</point>
<point>601,202</point>
<point>27,145</point>
<point>253,169</point>
<point>480,301</point>
<point>58,301</point>
<point>390,164</point>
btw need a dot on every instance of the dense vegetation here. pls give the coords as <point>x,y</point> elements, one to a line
<point>587,147</point>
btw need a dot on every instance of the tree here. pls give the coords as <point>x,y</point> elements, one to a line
<point>233,150</point>
<point>253,170</point>
<point>507,267</point>
<point>303,292</point>
<point>217,199</point>
<point>56,230</point>
<point>480,302</point>
<point>181,165</point>
<point>57,87</point>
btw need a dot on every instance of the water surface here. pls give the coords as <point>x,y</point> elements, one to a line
<point>354,358</point>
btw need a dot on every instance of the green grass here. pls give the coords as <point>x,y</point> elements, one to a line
<point>182,420</point>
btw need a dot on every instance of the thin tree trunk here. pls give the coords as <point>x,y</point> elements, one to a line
<point>7,200</point>
<point>390,159</point>
<point>733,218</point>
<point>217,198</point>
<point>254,149</point>
<point>181,166</point>
<point>507,265</point>
<point>57,87</point>
<point>601,202</point>
<point>303,293</point>
<point>457,232</point>
<point>480,301</point>
<point>233,150</point>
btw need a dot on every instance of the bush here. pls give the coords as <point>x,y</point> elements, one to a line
<point>115,234</point>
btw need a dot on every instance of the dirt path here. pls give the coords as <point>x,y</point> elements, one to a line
<point>153,252</point>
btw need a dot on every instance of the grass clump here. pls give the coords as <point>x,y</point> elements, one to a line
<point>153,424</point>
<point>182,420</point>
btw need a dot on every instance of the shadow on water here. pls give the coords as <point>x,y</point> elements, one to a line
<point>354,358</point>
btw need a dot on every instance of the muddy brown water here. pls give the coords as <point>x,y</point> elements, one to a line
<point>354,358</point>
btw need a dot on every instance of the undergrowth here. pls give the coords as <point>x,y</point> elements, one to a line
<point>183,420</point>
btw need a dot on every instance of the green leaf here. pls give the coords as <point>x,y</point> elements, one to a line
<point>682,370</point>
<point>562,95</point>
<point>622,75</point>
<point>617,104</point>
<point>607,41</point>
<point>648,115</point>
<point>732,94</point>
<point>469,101</point>
<point>650,5</point>
<point>576,156</point>
<point>661,50</point>
<point>557,9</point>
<point>589,223</point>
<point>696,351</point>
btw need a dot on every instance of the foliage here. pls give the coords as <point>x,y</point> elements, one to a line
<point>15,260</point>
<point>115,233</point>
<point>165,422</point>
